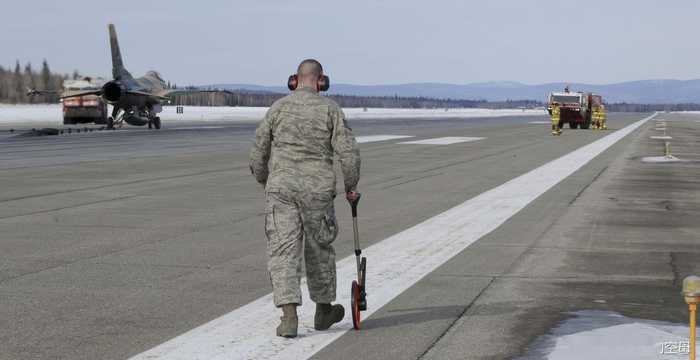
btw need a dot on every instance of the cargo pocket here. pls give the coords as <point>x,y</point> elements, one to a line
<point>270,226</point>
<point>329,227</point>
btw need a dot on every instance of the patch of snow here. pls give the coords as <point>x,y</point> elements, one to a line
<point>661,159</point>
<point>593,334</point>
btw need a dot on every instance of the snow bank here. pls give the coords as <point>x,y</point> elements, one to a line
<point>21,114</point>
<point>51,113</point>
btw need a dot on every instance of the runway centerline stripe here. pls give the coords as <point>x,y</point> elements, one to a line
<point>443,140</point>
<point>394,265</point>
<point>374,138</point>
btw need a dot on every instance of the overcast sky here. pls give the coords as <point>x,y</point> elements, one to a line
<point>362,41</point>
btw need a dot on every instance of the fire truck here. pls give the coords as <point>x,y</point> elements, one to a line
<point>576,107</point>
<point>83,109</point>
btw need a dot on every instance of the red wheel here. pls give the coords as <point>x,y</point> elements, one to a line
<point>355,305</point>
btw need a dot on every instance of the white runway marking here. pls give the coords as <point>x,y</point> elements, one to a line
<point>374,138</point>
<point>540,122</point>
<point>665,137</point>
<point>394,265</point>
<point>443,140</point>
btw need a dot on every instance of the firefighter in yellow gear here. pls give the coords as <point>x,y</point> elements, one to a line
<point>556,119</point>
<point>602,118</point>
<point>595,118</point>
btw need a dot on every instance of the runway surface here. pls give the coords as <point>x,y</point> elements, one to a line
<point>115,242</point>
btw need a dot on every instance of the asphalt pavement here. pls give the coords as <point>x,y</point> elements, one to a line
<point>114,242</point>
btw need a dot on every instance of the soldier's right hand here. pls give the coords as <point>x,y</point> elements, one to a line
<point>351,196</point>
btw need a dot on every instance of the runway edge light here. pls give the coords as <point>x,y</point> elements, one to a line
<point>691,293</point>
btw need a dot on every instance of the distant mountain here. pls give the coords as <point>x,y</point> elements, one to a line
<point>644,91</point>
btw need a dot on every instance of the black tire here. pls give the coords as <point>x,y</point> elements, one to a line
<point>355,305</point>
<point>150,124</point>
<point>586,124</point>
<point>156,122</point>
<point>573,125</point>
<point>110,123</point>
<point>363,276</point>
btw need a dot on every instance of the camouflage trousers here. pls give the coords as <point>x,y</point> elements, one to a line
<point>296,226</point>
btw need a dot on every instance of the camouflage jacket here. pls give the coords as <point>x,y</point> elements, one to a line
<point>296,142</point>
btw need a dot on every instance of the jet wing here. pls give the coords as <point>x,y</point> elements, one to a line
<point>35,92</point>
<point>72,94</point>
<point>174,92</point>
<point>143,93</point>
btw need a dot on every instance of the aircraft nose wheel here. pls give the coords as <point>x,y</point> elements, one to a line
<point>110,123</point>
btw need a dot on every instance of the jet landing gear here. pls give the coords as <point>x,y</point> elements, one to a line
<point>154,122</point>
<point>133,116</point>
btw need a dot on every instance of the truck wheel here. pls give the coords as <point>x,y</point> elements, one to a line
<point>156,122</point>
<point>586,124</point>
<point>573,125</point>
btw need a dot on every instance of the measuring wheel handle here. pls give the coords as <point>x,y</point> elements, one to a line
<point>353,204</point>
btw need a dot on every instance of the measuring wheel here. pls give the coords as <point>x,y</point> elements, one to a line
<point>355,301</point>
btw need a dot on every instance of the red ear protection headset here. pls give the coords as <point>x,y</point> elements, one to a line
<point>322,84</point>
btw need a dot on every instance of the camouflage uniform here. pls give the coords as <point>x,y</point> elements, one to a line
<point>293,158</point>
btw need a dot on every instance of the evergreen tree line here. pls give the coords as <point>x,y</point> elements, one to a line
<point>626,107</point>
<point>15,83</point>
<point>264,99</point>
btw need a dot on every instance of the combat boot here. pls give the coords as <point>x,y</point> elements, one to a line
<point>288,326</point>
<point>327,315</point>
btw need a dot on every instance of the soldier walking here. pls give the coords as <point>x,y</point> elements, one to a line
<point>295,145</point>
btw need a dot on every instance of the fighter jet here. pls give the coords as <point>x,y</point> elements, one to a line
<point>136,101</point>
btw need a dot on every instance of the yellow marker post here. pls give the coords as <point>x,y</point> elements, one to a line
<point>691,293</point>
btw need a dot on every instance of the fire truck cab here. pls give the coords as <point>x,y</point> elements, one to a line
<point>83,109</point>
<point>575,108</point>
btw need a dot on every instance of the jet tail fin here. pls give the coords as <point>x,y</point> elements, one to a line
<point>118,70</point>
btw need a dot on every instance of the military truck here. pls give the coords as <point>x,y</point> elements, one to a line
<point>576,107</point>
<point>83,109</point>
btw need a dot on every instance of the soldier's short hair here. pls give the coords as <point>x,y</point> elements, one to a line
<point>310,67</point>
